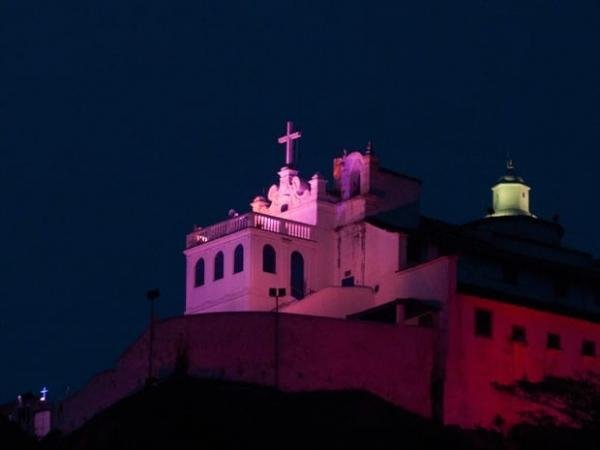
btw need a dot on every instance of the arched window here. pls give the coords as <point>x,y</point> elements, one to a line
<point>199,273</point>
<point>269,259</point>
<point>219,266</point>
<point>238,259</point>
<point>297,275</point>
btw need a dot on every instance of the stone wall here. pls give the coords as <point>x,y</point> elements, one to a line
<point>392,361</point>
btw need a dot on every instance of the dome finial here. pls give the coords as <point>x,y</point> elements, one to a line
<point>510,164</point>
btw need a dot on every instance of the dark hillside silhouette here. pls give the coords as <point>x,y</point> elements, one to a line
<point>185,413</point>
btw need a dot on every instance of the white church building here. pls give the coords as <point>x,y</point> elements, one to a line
<point>313,241</point>
<point>434,317</point>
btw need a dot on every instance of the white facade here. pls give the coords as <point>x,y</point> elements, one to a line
<point>326,227</point>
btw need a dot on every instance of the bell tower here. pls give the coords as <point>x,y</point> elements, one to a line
<point>510,194</point>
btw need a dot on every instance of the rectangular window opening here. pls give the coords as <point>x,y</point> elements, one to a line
<point>553,341</point>
<point>588,348</point>
<point>519,334</point>
<point>483,323</point>
<point>348,282</point>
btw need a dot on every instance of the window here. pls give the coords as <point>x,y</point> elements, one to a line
<point>348,282</point>
<point>269,259</point>
<point>355,183</point>
<point>219,266</point>
<point>238,259</point>
<point>297,275</point>
<point>199,273</point>
<point>553,341</point>
<point>483,323</point>
<point>588,348</point>
<point>519,334</point>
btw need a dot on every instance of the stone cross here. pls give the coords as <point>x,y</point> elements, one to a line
<point>288,140</point>
<point>43,392</point>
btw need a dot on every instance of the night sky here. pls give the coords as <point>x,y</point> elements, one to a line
<point>123,123</point>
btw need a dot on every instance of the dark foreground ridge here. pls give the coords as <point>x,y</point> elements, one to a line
<point>187,413</point>
<point>11,437</point>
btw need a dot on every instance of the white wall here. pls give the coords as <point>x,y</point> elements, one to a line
<point>227,293</point>
<point>248,290</point>
<point>429,281</point>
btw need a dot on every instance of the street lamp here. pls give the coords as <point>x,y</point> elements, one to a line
<point>276,293</point>
<point>151,295</point>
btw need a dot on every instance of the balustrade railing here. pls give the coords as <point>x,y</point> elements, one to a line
<point>250,220</point>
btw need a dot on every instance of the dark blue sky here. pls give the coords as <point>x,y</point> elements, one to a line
<point>123,123</point>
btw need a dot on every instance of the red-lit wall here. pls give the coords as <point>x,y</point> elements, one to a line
<point>474,362</point>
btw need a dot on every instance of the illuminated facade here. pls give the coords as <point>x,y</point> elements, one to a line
<point>429,315</point>
<point>319,239</point>
<point>507,299</point>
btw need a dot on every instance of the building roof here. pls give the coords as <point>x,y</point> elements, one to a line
<point>400,174</point>
<point>468,239</point>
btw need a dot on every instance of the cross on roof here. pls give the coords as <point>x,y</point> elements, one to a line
<point>510,165</point>
<point>288,139</point>
<point>43,392</point>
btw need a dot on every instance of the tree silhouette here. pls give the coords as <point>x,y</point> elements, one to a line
<point>576,399</point>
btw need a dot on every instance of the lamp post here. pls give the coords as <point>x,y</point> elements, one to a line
<point>151,295</point>
<point>276,293</point>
